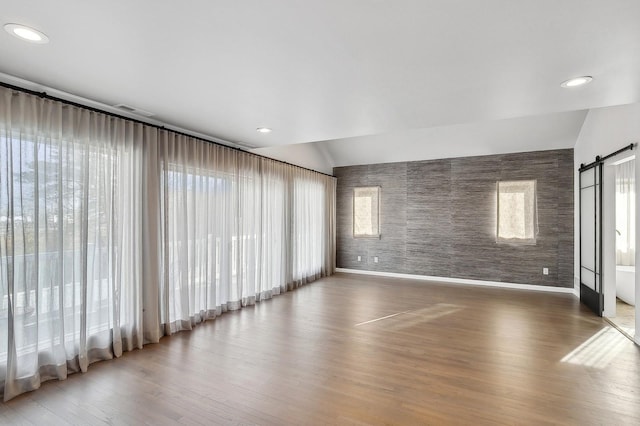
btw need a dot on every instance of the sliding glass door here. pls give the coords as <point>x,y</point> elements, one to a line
<point>591,290</point>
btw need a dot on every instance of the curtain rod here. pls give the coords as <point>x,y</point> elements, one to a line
<point>599,159</point>
<point>156,126</point>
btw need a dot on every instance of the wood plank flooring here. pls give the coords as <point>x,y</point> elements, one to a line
<point>625,318</point>
<point>324,354</point>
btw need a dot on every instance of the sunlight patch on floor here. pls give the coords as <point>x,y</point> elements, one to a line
<point>600,350</point>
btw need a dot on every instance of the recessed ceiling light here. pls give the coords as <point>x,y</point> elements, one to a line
<point>263,130</point>
<point>26,33</point>
<point>577,81</point>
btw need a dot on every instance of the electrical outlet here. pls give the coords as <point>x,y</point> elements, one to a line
<point>545,271</point>
<point>359,258</point>
<point>375,259</point>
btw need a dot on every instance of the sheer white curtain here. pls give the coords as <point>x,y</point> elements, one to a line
<point>69,253</point>
<point>113,234</point>
<point>625,213</point>
<point>237,229</point>
<point>309,227</point>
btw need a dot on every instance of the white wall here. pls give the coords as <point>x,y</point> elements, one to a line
<point>604,131</point>
<point>309,155</point>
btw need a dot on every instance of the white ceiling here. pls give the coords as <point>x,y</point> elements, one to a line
<point>535,133</point>
<point>362,74</point>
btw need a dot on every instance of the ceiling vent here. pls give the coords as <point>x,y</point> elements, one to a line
<point>132,110</point>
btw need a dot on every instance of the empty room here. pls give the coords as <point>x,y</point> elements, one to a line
<point>322,212</point>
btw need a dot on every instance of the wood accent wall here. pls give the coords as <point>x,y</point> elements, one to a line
<point>438,218</point>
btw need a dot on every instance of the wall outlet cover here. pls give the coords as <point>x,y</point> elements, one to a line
<point>545,271</point>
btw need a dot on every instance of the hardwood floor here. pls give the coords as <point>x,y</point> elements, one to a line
<point>625,319</point>
<point>325,354</point>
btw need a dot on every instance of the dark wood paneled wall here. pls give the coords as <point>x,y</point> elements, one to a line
<point>438,218</point>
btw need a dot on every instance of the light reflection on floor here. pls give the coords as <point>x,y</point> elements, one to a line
<point>406,319</point>
<point>600,350</point>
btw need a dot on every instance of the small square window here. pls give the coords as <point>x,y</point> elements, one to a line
<point>517,211</point>
<point>366,211</point>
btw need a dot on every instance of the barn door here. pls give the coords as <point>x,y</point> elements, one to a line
<point>591,237</point>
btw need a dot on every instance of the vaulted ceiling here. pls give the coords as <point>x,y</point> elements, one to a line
<point>393,79</point>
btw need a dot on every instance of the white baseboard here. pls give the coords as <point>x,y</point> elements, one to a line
<point>533,287</point>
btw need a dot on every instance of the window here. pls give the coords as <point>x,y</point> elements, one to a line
<point>366,211</point>
<point>308,227</point>
<point>517,211</point>
<point>625,213</point>
<point>113,234</point>
<point>199,253</point>
<point>56,244</point>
